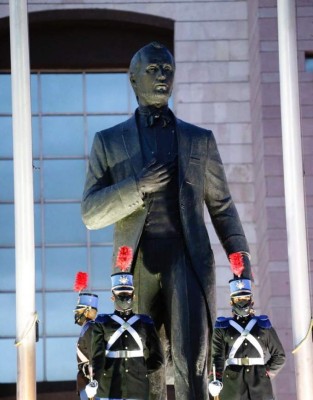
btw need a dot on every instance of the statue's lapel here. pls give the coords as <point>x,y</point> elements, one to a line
<point>184,136</point>
<point>132,144</point>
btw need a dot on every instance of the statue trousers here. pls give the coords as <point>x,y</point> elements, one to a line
<point>168,290</point>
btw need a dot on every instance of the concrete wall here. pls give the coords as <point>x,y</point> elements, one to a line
<point>268,166</point>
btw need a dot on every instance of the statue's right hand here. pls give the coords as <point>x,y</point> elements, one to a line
<point>154,176</point>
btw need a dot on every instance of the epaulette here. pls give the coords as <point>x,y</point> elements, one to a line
<point>86,327</point>
<point>222,322</point>
<point>146,318</point>
<point>102,318</point>
<point>264,322</point>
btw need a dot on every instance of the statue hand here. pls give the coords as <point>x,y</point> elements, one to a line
<point>154,176</point>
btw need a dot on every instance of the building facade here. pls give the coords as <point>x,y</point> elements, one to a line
<point>227,80</point>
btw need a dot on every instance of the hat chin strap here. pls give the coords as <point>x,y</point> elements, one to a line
<point>81,315</point>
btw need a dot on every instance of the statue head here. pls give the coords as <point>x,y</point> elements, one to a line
<point>151,74</point>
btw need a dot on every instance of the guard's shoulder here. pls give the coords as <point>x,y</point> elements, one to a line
<point>85,328</point>
<point>264,322</point>
<point>222,322</point>
<point>101,318</point>
<point>145,318</point>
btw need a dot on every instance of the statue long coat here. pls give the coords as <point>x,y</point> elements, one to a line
<point>111,195</point>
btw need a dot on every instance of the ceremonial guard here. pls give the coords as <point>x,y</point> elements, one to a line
<point>125,346</point>
<point>241,370</point>
<point>84,314</point>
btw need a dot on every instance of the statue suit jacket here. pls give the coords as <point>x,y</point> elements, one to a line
<point>111,195</point>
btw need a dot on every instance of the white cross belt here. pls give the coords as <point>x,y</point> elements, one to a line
<point>245,334</point>
<point>125,326</point>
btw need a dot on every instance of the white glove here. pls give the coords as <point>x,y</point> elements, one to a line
<point>91,389</point>
<point>215,387</point>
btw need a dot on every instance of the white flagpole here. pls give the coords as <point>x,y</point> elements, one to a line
<point>294,198</point>
<point>23,202</point>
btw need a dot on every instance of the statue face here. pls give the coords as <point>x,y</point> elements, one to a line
<point>153,79</point>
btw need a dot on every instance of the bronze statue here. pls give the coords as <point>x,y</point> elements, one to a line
<point>151,176</point>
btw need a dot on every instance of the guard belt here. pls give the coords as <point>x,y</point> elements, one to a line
<point>124,353</point>
<point>245,361</point>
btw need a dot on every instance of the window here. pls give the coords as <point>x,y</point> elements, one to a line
<point>67,110</point>
<point>308,64</point>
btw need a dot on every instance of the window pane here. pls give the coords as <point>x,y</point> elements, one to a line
<point>37,180</point>
<point>36,137</point>
<point>99,123</point>
<point>34,93</point>
<point>63,179</point>
<point>64,224</point>
<point>5,94</point>
<point>61,358</point>
<point>7,318</point>
<point>8,352</point>
<point>6,137</point>
<point>40,311</point>
<point>38,268</point>
<point>60,306</point>
<point>38,227</point>
<point>62,93</point>
<point>62,264</point>
<point>106,93</point>
<point>6,181</point>
<point>63,136</point>
<point>7,225</point>
<point>101,262</point>
<point>7,269</point>
<point>104,236</point>
<point>40,360</point>
<point>106,305</point>
<point>309,63</point>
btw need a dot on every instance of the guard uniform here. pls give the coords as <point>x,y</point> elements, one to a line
<point>83,355</point>
<point>246,353</point>
<point>86,309</point>
<point>125,347</point>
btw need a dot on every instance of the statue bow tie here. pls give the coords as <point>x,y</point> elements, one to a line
<point>154,118</point>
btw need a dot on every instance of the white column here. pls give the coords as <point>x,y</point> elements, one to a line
<point>294,197</point>
<point>23,202</point>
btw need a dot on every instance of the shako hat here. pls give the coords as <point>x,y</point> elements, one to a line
<point>84,299</point>
<point>87,300</point>
<point>240,287</point>
<point>122,281</point>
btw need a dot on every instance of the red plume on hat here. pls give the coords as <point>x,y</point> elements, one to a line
<point>81,281</point>
<point>236,263</point>
<point>124,258</point>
